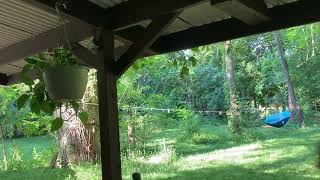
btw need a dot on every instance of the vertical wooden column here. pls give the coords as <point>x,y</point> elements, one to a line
<point>108,113</point>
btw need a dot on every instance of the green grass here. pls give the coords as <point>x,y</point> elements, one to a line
<point>261,153</point>
<point>40,143</point>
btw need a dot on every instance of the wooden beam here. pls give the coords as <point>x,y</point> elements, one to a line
<point>124,14</point>
<point>3,79</point>
<point>285,16</point>
<point>153,31</point>
<point>131,12</point>
<point>251,12</point>
<point>50,9</point>
<point>108,113</point>
<point>83,10</point>
<point>15,78</point>
<point>47,40</point>
<point>86,56</point>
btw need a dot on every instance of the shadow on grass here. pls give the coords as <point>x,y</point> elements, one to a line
<point>281,137</point>
<point>233,172</point>
<point>38,174</point>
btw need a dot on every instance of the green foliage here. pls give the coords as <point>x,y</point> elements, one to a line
<point>37,95</point>
<point>56,124</point>
<point>84,117</point>
<point>189,123</point>
<point>17,119</point>
<point>144,130</point>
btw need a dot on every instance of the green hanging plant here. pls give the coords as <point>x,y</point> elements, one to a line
<point>60,81</point>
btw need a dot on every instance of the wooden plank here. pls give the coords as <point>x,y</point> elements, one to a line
<point>249,11</point>
<point>50,39</point>
<point>285,16</point>
<point>108,113</point>
<point>153,31</point>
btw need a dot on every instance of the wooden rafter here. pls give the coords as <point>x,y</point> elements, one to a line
<point>289,15</point>
<point>249,11</point>
<point>131,12</point>
<point>153,31</point>
<point>125,14</point>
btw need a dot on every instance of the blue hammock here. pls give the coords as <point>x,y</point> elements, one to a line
<point>278,120</point>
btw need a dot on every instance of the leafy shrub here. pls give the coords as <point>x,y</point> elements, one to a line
<point>144,129</point>
<point>189,123</point>
<point>163,121</point>
<point>249,116</point>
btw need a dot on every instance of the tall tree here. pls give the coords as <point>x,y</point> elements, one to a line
<point>294,107</point>
<point>235,117</point>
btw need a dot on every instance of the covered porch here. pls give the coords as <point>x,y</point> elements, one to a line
<point>128,30</point>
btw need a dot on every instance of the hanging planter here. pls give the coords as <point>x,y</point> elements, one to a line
<point>66,82</point>
<point>60,81</point>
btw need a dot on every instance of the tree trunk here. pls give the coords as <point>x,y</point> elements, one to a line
<point>293,105</point>
<point>235,117</point>
<point>131,134</point>
<point>4,154</point>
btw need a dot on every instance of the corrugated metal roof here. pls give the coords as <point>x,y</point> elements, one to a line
<point>272,3</point>
<point>19,20</point>
<point>107,3</point>
<point>205,13</point>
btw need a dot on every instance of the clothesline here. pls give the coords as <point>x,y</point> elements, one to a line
<point>168,110</point>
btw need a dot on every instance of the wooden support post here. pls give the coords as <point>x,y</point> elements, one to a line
<point>108,113</point>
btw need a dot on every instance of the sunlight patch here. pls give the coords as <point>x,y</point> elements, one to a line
<point>235,155</point>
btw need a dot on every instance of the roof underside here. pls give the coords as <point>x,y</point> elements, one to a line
<point>31,26</point>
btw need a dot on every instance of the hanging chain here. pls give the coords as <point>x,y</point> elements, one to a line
<point>62,3</point>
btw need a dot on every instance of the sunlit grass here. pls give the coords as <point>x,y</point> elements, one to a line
<point>271,154</point>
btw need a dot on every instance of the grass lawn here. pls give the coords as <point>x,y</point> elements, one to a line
<point>261,153</point>
<point>265,153</point>
<point>40,144</point>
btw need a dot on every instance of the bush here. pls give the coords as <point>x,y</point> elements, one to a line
<point>144,129</point>
<point>189,123</point>
<point>249,116</point>
<point>163,121</point>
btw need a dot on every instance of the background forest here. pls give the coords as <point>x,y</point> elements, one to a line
<point>190,114</point>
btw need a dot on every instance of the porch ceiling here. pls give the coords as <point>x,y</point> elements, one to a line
<point>30,26</point>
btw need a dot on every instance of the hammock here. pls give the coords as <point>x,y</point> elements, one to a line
<point>278,120</point>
